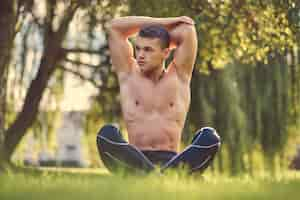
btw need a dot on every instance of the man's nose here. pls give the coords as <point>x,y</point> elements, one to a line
<point>141,55</point>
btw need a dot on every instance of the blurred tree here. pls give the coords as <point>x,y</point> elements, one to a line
<point>52,55</point>
<point>52,20</point>
<point>8,16</point>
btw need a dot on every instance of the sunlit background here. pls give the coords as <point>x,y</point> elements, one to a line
<point>58,87</point>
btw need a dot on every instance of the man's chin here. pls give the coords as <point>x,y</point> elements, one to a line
<point>144,69</point>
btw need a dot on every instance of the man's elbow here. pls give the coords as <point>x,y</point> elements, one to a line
<point>112,32</point>
<point>115,28</point>
<point>188,30</point>
<point>111,26</point>
<point>185,31</point>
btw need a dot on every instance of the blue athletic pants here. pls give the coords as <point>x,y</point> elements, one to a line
<point>117,154</point>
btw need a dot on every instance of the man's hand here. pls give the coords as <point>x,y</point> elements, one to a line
<point>173,22</point>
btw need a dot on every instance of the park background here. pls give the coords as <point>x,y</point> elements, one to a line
<point>54,62</point>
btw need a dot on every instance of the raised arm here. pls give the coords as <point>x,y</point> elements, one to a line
<point>184,38</point>
<point>120,29</point>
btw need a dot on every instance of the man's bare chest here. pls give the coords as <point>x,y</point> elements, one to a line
<point>168,97</point>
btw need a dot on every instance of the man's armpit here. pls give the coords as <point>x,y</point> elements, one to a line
<point>182,73</point>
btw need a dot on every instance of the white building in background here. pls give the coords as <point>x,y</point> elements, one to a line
<point>69,140</point>
<point>69,151</point>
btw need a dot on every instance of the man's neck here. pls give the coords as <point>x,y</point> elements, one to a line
<point>155,76</point>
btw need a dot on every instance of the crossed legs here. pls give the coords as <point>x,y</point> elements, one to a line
<point>117,154</point>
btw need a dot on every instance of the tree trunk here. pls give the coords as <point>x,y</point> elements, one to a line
<point>7,22</point>
<point>52,55</point>
<point>30,107</point>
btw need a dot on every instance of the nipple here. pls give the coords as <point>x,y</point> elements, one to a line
<point>137,103</point>
<point>171,104</point>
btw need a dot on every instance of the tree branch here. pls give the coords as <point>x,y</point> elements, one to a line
<point>76,62</point>
<point>81,76</point>
<point>99,51</point>
<point>68,16</point>
<point>79,50</point>
<point>101,87</point>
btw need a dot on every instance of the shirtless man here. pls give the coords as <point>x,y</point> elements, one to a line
<point>154,99</point>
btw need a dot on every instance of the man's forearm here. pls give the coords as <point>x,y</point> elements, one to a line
<point>131,24</point>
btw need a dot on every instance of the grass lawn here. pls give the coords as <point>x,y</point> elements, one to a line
<point>51,184</point>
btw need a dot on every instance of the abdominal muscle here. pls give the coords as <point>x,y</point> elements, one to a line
<point>154,133</point>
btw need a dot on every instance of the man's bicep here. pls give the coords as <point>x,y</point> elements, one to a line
<point>185,54</point>
<point>121,53</point>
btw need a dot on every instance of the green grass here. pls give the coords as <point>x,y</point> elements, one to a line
<point>98,184</point>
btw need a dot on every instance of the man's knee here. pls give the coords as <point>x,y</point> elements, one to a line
<point>110,133</point>
<point>207,136</point>
<point>107,130</point>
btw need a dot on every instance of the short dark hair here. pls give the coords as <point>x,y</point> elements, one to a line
<point>156,31</point>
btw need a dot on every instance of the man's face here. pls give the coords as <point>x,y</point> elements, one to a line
<point>149,54</point>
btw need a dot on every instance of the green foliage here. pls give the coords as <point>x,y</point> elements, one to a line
<point>228,30</point>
